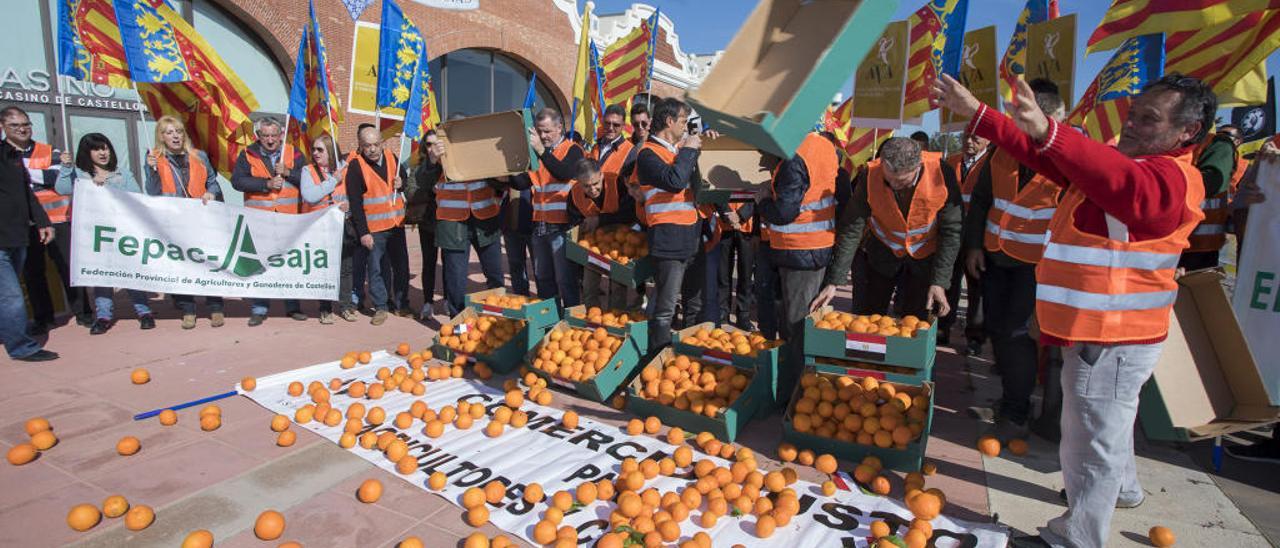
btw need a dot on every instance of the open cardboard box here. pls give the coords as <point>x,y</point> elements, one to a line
<point>1206,383</point>
<point>783,66</point>
<point>729,164</point>
<point>492,145</point>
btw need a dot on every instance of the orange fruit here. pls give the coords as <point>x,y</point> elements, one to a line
<point>38,424</point>
<point>925,505</point>
<point>473,497</point>
<point>989,446</point>
<point>635,427</point>
<point>248,384</point>
<point>929,469</point>
<point>652,425</point>
<point>436,481</point>
<point>586,493</point>
<point>286,438</point>
<point>915,539</point>
<point>826,464</point>
<point>879,529</point>
<point>168,417</point>
<point>828,488</point>
<point>569,419</point>
<point>370,491</point>
<point>22,453</point>
<point>209,423</point>
<point>765,526</point>
<point>128,445</point>
<point>139,517</point>
<point>477,516</point>
<point>562,500</point>
<point>533,493</point>
<point>200,538</point>
<point>115,506</point>
<point>140,376</point>
<point>402,349</point>
<point>44,440</point>
<point>279,423</point>
<point>1161,536</point>
<point>83,517</point>
<point>880,485</point>
<point>786,452</point>
<point>544,532</point>
<point>269,525</point>
<point>1018,447</point>
<point>365,357</point>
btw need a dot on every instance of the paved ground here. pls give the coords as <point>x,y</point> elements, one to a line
<point>221,480</point>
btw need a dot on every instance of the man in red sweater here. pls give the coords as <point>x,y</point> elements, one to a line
<point>1105,285</point>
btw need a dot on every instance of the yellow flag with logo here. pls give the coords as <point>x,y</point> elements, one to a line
<point>979,66</point>
<point>881,80</point>
<point>1051,54</point>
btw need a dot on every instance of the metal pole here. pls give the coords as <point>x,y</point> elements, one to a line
<point>62,105</point>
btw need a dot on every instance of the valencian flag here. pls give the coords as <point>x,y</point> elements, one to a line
<point>628,62</point>
<point>175,71</point>
<point>1130,18</point>
<point>937,38</point>
<point>1136,63</point>
<point>1014,62</point>
<point>580,119</point>
<point>1226,54</point>
<point>404,80</point>
<point>312,104</point>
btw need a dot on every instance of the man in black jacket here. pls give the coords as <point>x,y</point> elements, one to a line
<point>19,210</point>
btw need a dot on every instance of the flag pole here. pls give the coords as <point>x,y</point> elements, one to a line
<point>62,105</point>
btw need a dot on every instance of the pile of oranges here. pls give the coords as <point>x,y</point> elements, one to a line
<point>618,243</point>
<point>508,301</point>
<point>481,335</point>
<point>873,324</point>
<point>41,437</point>
<point>576,354</point>
<point>860,410</point>
<point>742,343</point>
<point>611,318</point>
<point>690,385</point>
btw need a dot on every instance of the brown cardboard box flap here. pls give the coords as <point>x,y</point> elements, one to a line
<point>480,147</point>
<point>729,164</point>
<point>1205,374</point>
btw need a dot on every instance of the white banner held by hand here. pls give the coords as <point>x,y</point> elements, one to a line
<point>1257,294</point>
<point>182,246</point>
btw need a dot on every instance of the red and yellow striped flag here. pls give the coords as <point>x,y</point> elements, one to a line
<point>1223,54</point>
<point>862,146</point>
<point>1101,121</point>
<point>626,65</point>
<point>1128,18</point>
<point>937,36</point>
<point>89,46</point>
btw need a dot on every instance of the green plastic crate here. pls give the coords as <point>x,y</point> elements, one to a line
<point>637,331</point>
<point>504,359</point>
<point>633,274</point>
<point>540,315</point>
<point>767,361</point>
<point>780,70</point>
<point>909,459</point>
<point>725,426</point>
<point>915,352</point>
<point>606,382</point>
<point>889,373</point>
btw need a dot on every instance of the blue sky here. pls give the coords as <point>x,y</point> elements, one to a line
<point>705,26</point>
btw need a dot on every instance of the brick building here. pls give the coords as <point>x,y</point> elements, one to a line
<point>481,60</point>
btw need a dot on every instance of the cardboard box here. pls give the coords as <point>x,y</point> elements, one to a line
<point>1206,383</point>
<point>492,145</point>
<point>606,381</point>
<point>781,69</point>
<point>908,459</point>
<point>540,315</point>
<point>765,363</point>
<point>915,352</point>
<point>504,359</point>
<point>727,423</point>
<point>637,330</point>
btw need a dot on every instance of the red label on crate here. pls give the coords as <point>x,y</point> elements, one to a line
<point>864,346</point>
<point>878,375</point>
<point>717,356</point>
<point>599,261</point>
<point>563,383</point>
<point>742,196</point>
<point>491,309</point>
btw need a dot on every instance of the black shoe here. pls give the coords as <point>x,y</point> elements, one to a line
<point>39,356</point>
<point>1258,452</point>
<point>256,320</point>
<point>299,316</point>
<point>38,329</point>
<point>84,320</point>
<point>974,348</point>
<point>148,321</point>
<point>403,312</point>
<point>100,326</point>
<point>944,338</point>
<point>1028,542</point>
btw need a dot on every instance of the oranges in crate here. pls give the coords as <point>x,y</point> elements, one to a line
<point>479,335</point>
<point>508,301</point>
<point>690,385</point>
<point>873,324</point>
<point>611,318</point>
<point>618,243</point>
<point>860,410</point>
<point>576,354</point>
<point>742,343</point>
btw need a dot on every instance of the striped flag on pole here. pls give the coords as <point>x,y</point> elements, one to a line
<point>1223,54</point>
<point>89,46</point>
<point>628,63</point>
<point>1130,18</point>
<point>1101,111</point>
<point>1014,61</point>
<point>937,40</point>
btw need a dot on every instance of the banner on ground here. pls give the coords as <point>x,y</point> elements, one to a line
<point>1257,295</point>
<point>979,62</point>
<point>881,80</point>
<point>181,246</point>
<point>1051,54</point>
<point>559,458</point>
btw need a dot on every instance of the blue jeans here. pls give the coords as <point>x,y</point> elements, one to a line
<point>768,293</point>
<point>389,244</point>
<point>13,311</point>
<point>261,307</point>
<point>456,265</point>
<point>556,275</point>
<point>102,301</point>
<point>518,248</point>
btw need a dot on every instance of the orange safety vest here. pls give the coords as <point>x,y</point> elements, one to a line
<point>383,207</point>
<point>193,187</point>
<point>459,201</point>
<point>916,234</point>
<point>1018,221</point>
<point>746,223</point>
<point>815,226</point>
<point>56,206</point>
<point>550,195</point>
<point>339,194</point>
<point>970,180</point>
<point>1106,289</point>
<point>1211,235</point>
<point>286,199</point>
<point>708,212</point>
<point>662,207</point>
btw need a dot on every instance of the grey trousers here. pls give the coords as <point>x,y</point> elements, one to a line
<point>1100,386</point>
<point>799,287</point>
